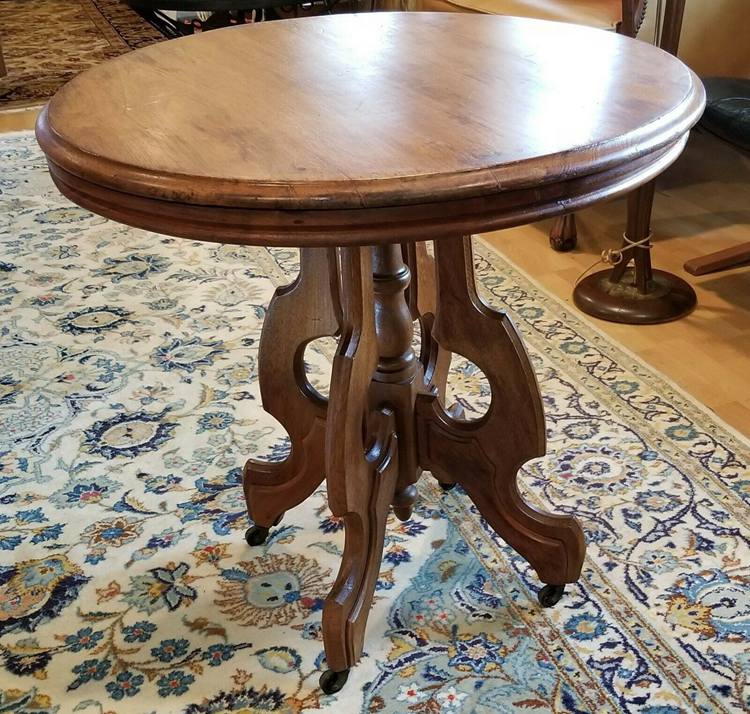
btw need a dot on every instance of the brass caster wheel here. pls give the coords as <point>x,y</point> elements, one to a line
<point>332,682</point>
<point>550,595</point>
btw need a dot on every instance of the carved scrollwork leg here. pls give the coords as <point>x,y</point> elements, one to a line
<point>299,313</point>
<point>422,298</point>
<point>361,467</point>
<point>484,455</point>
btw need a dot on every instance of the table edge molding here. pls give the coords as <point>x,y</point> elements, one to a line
<point>371,193</point>
<point>364,226</point>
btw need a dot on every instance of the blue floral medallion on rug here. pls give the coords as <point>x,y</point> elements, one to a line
<point>129,402</point>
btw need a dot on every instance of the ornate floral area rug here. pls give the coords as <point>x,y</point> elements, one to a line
<point>128,402</point>
<point>47,43</point>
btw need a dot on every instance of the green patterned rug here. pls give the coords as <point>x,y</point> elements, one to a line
<point>128,401</point>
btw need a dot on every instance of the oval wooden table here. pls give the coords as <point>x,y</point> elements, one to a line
<point>364,137</point>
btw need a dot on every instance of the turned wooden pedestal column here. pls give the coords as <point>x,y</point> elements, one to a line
<point>357,146</point>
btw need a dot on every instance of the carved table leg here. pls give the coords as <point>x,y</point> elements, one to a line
<point>361,464</point>
<point>422,297</point>
<point>298,313</point>
<point>484,455</point>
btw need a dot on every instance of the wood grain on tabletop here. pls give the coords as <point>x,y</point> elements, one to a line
<point>355,110</point>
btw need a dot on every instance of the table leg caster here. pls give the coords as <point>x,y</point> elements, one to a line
<point>446,486</point>
<point>403,502</point>
<point>332,682</point>
<point>256,535</point>
<point>549,595</point>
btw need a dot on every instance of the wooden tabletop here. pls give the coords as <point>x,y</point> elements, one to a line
<point>367,110</point>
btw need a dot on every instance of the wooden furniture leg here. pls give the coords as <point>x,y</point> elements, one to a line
<point>484,455</point>
<point>386,418</point>
<point>719,260</point>
<point>641,294</point>
<point>299,313</point>
<point>422,298</point>
<point>563,236</point>
<point>672,26</point>
<point>362,464</point>
<point>436,360</point>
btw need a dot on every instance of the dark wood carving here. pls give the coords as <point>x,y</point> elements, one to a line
<point>361,465</point>
<point>298,313</point>
<point>399,375</point>
<point>484,455</point>
<point>422,296</point>
<point>387,421</point>
<point>633,15</point>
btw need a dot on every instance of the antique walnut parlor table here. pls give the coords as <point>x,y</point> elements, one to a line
<point>363,137</point>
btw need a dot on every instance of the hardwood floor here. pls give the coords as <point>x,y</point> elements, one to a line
<point>702,204</point>
<point>18,119</point>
